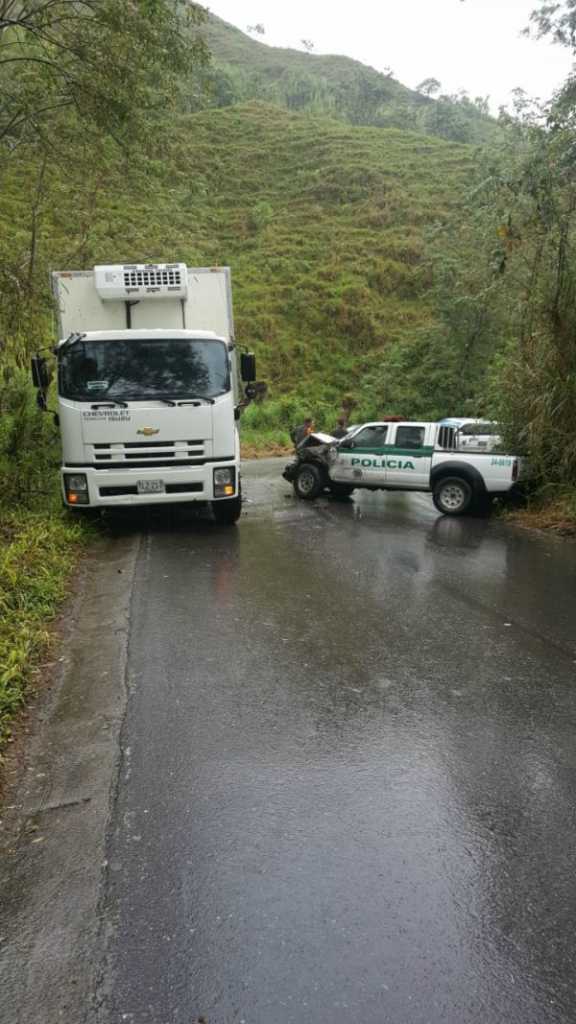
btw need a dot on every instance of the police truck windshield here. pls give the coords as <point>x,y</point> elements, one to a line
<point>142,369</point>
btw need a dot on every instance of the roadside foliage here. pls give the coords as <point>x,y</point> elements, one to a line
<point>78,82</point>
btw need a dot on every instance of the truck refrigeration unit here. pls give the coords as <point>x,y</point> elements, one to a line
<point>148,387</point>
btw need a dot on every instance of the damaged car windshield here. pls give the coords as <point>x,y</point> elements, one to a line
<point>141,369</point>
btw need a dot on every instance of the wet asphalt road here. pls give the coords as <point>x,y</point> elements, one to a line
<point>349,771</point>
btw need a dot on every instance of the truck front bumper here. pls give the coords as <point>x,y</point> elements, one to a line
<point>107,488</point>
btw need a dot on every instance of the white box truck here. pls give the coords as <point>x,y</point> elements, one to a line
<point>148,387</point>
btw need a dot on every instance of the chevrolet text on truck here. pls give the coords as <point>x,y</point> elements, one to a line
<point>148,387</point>
<point>405,456</point>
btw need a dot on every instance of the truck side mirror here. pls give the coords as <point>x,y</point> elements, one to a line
<point>40,373</point>
<point>248,367</point>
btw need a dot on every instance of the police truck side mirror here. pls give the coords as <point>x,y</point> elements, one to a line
<point>248,367</point>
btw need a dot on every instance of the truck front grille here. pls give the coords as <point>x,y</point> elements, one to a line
<point>118,492</point>
<point>154,451</point>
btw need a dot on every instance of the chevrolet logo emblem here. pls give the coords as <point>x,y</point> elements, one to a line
<point>148,431</point>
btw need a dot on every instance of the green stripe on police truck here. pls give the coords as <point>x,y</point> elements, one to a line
<point>388,449</point>
<point>388,457</point>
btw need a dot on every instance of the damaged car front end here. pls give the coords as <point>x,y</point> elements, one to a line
<point>309,471</point>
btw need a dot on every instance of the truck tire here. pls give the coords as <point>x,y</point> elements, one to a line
<point>308,482</point>
<point>341,490</point>
<point>227,511</point>
<point>87,515</point>
<point>452,495</point>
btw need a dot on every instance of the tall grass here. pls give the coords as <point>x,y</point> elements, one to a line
<point>38,542</point>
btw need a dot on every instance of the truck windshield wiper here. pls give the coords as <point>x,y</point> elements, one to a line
<point>196,398</point>
<point>149,398</point>
<point>110,404</point>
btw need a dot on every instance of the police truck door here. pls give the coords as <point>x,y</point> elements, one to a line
<point>409,455</point>
<point>361,458</point>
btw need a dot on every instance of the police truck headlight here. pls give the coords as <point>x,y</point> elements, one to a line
<point>224,482</point>
<point>76,486</point>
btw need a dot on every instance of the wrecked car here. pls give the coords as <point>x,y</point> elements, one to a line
<point>405,456</point>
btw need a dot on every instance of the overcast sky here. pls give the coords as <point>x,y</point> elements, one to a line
<point>466,44</point>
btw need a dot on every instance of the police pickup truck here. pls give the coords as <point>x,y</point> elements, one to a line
<point>405,456</point>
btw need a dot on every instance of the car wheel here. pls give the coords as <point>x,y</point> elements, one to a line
<point>308,483</point>
<point>452,496</point>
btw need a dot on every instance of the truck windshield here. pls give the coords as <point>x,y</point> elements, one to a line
<point>144,368</point>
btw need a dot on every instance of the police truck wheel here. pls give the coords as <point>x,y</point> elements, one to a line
<point>227,511</point>
<point>452,496</point>
<point>308,482</point>
<point>341,490</point>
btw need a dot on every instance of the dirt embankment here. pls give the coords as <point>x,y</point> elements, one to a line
<point>265,451</point>
<point>556,516</point>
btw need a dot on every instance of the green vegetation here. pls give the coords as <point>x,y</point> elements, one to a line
<point>91,61</point>
<point>76,80</point>
<point>324,225</point>
<point>38,542</point>
<point>37,552</point>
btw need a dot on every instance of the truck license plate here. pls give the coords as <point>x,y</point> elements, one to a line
<point>150,487</point>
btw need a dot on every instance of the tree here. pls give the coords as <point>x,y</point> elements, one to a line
<point>556,20</point>
<point>257,29</point>
<point>106,62</point>
<point>429,87</point>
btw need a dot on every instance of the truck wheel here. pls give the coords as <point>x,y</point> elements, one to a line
<point>452,496</point>
<point>87,515</point>
<point>308,482</point>
<point>227,511</point>
<point>341,490</point>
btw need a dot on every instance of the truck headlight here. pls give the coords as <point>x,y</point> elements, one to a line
<point>224,482</point>
<point>76,485</point>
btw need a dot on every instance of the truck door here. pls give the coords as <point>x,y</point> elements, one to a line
<point>361,458</point>
<point>408,456</point>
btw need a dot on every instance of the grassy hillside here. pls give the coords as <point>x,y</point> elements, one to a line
<point>233,49</point>
<point>323,225</point>
<point>335,86</point>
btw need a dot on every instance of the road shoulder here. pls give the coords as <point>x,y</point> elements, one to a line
<point>52,850</point>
